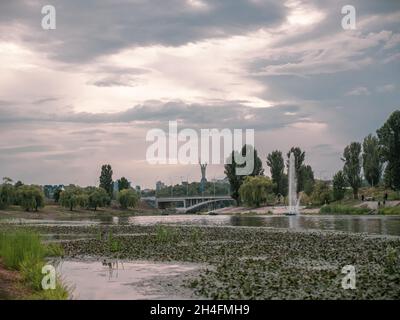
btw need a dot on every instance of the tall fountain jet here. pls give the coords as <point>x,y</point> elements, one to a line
<point>293,208</point>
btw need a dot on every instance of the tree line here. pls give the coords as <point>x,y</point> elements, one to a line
<point>377,159</point>
<point>32,197</point>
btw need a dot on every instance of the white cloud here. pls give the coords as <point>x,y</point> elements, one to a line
<point>358,91</point>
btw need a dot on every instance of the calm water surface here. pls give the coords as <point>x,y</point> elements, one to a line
<point>381,225</point>
<point>134,280</point>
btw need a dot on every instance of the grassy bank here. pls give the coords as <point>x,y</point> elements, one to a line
<point>389,211</point>
<point>54,211</point>
<point>343,209</point>
<point>23,251</point>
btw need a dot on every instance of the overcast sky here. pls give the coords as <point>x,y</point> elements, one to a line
<point>86,93</point>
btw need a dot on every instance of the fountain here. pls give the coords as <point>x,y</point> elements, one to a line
<point>293,208</point>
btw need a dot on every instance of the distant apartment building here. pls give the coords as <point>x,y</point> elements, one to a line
<point>160,185</point>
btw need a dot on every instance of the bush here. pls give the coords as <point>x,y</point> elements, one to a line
<point>128,198</point>
<point>340,209</point>
<point>321,194</point>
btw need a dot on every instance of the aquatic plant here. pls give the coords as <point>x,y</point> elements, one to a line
<point>392,260</point>
<point>165,234</point>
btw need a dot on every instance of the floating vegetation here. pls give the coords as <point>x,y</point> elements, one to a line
<point>254,263</point>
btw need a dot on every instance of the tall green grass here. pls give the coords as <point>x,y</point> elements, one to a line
<point>389,210</point>
<point>23,251</point>
<point>17,247</point>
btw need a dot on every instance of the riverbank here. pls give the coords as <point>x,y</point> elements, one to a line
<point>22,257</point>
<point>355,208</point>
<point>56,212</point>
<point>11,287</point>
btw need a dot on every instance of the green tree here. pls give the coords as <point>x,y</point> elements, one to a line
<point>123,184</point>
<point>30,197</point>
<point>388,177</point>
<point>389,139</point>
<point>18,184</point>
<point>7,193</point>
<point>82,200</point>
<point>277,166</point>
<point>352,166</point>
<point>322,193</point>
<point>299,157</point>
<point>339,185</point>
<point>128,198</point>
<point>98,197</point>
<point>231,167</point>
<point>7,180</point>
<point>255,190</point>
<point>69,197</point>
<point>372,160</point>
<point>106,181</point>
<point>307,176</point>
<point>57,194</point>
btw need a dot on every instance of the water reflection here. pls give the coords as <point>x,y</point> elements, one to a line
<point>113,267</point>
<point>132,280</point>
<point>385,225</point>
<point>370,224</point>
<point>373,225</point>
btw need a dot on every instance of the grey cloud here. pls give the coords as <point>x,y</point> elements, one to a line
<point>86,29</point>
<point>44,100</point>
<point>229,114</point>
<point>89,132</point>
<point>116,81</point>
<point>7,151</point>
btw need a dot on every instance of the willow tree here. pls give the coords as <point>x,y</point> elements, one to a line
<point>232,168</point>
<point>255,190</point>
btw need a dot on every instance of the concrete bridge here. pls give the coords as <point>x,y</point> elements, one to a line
<point>189,204</point>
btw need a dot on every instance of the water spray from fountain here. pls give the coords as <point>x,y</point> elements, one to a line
<point>293,208</point>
